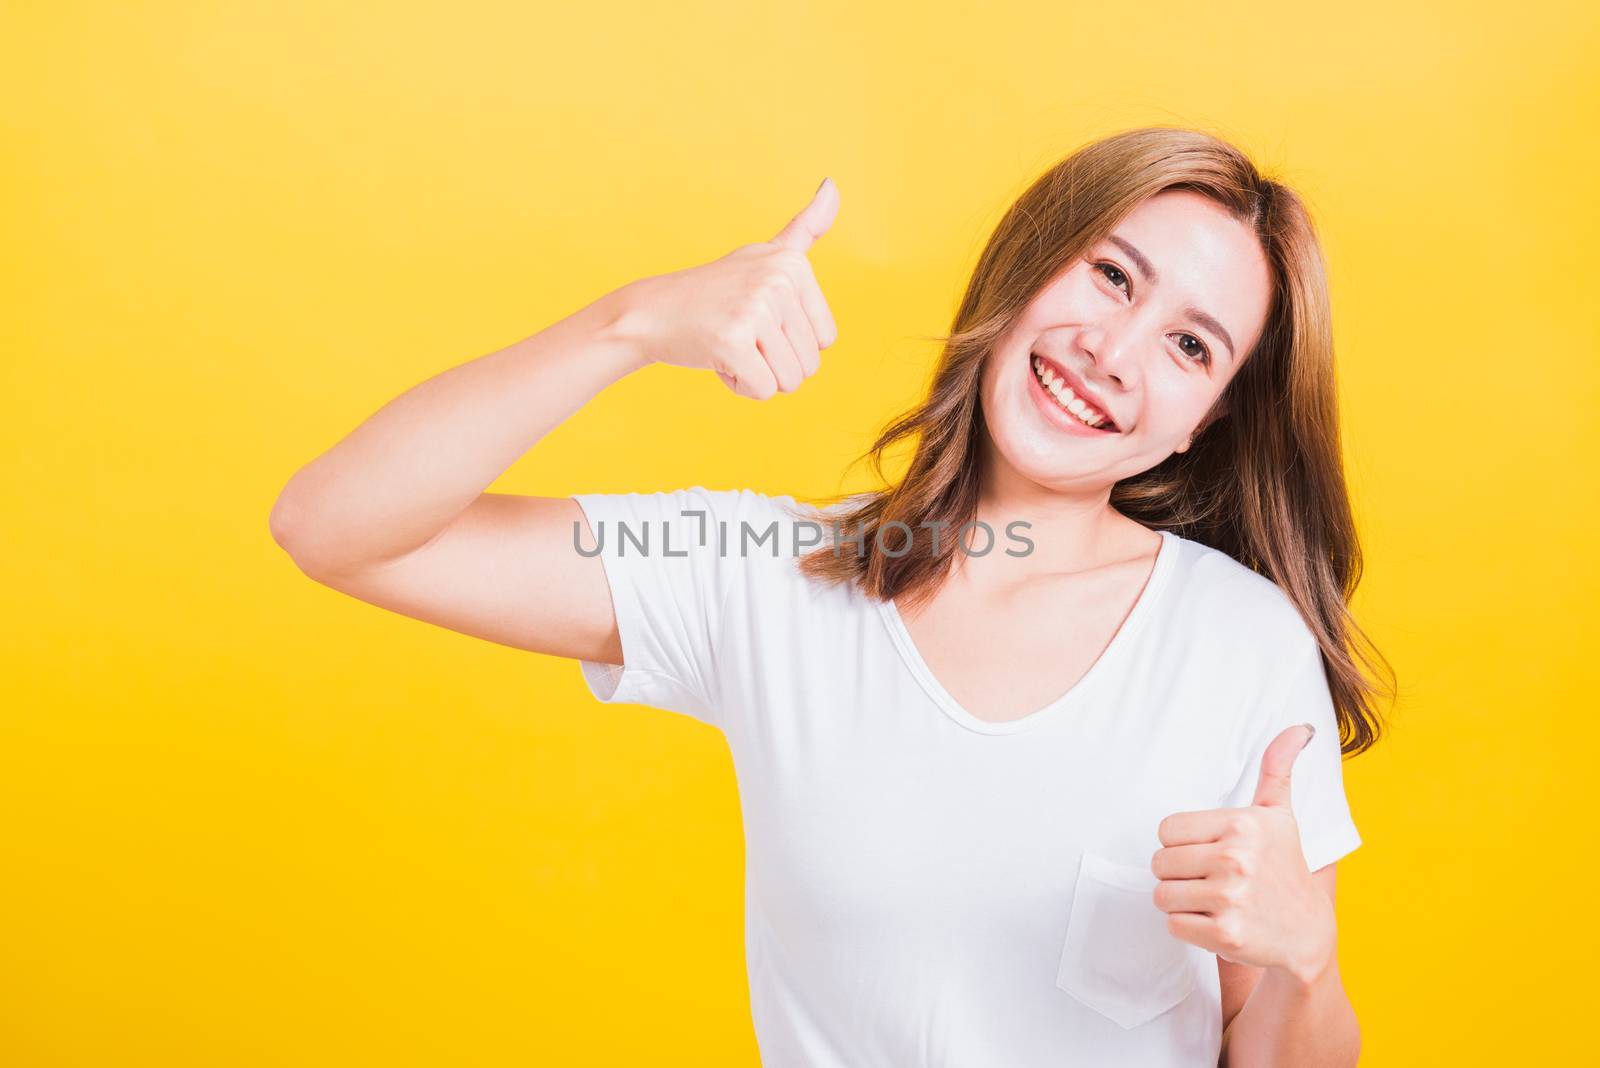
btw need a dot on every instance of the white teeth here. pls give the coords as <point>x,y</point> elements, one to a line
<point>1070,401</point>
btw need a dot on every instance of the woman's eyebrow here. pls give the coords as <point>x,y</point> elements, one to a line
<point>1148,269</point>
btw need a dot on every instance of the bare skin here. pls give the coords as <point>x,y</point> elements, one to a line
<point>397,514</point>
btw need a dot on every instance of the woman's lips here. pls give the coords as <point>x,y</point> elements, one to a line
<point>1055,415</point>
<point>1037,366</point>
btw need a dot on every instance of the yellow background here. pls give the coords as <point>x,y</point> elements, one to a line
<point>249,821</point>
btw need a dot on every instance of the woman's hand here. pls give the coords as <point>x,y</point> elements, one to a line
<point>756,316</point>
<point>1234,881</point>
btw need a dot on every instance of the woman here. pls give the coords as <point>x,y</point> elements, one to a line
<point>1038,747</point>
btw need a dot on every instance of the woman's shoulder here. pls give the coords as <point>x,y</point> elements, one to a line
<point>696,521</point>
<point>1222,591</point>
<point>723,504</point>
<point>789,511</point>
<point>739,524</point>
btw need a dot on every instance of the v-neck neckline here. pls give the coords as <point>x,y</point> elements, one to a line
<point>1166,555</point>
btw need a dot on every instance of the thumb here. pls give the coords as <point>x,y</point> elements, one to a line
<point>813,220</point>
<point>1272,789</point>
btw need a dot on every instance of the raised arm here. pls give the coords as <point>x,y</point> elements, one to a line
<point>396,512</point>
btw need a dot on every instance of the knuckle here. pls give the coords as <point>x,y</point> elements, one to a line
<point>770,313</point>
<point>777,282</point>
<point>1236,861</point>
<point>772,308</point>
<point>753,307</point>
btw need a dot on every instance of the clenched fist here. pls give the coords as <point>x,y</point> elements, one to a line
<point>1234,881</point>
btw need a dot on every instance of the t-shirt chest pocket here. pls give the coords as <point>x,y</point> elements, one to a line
<point>1118,957</point>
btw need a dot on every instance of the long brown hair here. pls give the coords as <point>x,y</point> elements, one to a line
<point>1263,480</point>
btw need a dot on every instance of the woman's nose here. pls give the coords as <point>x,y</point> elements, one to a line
<point>1113,351</point>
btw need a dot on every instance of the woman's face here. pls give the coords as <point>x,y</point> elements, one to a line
<point>1146,330</point>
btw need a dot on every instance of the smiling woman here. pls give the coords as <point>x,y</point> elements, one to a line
<point>1157,345</point>
<point>1078,803</point>
<point>1123,293</point>
<point>1090,325</point>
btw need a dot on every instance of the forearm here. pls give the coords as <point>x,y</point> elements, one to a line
<point>1304,1022</point>
<point>401,476</point>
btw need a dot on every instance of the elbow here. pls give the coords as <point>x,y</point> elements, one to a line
<point>313,538</point>
<point>281,522</point>
<point>291,526</point>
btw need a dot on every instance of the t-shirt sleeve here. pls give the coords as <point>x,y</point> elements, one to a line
<point>1316,781</point>
<point>668,570</point>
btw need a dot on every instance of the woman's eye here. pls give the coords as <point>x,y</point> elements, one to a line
<point>1113,274</point>
<point>1200,354</point>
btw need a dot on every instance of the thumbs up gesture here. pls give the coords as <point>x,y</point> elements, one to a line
<point>756,316</point>
<point>1234,881</point>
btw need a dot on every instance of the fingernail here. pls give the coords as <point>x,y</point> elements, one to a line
<point>1312,733</point>
<point>819,188</point>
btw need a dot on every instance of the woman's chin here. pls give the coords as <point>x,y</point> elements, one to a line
<point>1055,468</point>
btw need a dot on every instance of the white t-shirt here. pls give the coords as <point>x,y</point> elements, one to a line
<point>927,888</point>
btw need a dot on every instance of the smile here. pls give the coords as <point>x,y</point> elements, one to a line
<point>1081,410</point>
